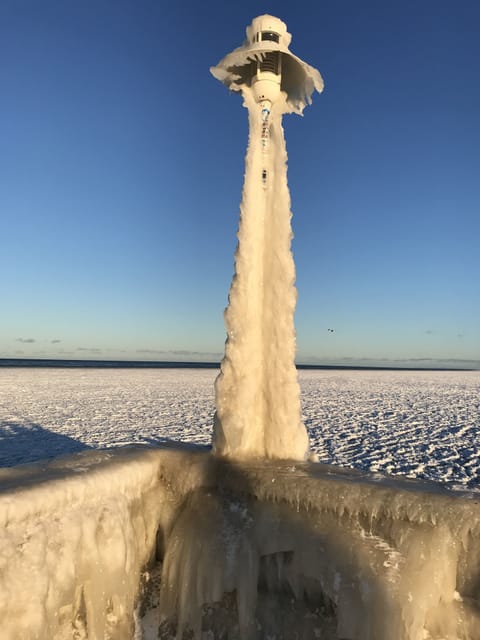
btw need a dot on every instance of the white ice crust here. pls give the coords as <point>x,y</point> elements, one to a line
<point>302,79</point>
<point>257,393</point>
<point>388,558</point>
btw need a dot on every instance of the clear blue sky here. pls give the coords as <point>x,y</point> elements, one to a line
<point>121,170</point>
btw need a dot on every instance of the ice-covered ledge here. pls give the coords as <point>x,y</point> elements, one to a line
<point>75,533</point>
<point>386,557</point>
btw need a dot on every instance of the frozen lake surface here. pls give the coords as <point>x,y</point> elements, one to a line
<point>419,424</point>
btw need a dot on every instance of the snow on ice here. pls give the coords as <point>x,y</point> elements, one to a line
<point>418,424</point>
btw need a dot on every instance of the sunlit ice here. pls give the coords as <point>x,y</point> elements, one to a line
<point>249,540</point>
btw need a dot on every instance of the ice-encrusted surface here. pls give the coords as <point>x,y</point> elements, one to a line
<point>378,558</point>
<point>419,424</point>
<point>266,549</point>
<point>257,395</point>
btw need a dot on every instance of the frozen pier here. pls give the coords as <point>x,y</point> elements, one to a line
<point>265,549</point>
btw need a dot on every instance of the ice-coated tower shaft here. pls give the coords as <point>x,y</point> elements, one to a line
<point>257,393</point>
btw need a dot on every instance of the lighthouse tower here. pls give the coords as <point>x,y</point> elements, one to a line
<point>257,392</point>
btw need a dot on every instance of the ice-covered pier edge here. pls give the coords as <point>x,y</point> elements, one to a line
<point>345,554</point>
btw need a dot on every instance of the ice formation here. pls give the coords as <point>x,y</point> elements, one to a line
<point>74,536</point>
<point>250,549</point>
<point>257,392</point>
<point>256,549</point>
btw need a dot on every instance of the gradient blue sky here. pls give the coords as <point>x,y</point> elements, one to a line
<point>121,171</point>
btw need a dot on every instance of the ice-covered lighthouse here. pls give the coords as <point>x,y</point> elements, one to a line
<point>257,393</point>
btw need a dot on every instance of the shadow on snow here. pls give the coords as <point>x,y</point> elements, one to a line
<point>29,442</point>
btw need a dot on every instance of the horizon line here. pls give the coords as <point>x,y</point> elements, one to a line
<point>200,364</point>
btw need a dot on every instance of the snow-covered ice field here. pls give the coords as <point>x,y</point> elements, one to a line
<point>419,424</point>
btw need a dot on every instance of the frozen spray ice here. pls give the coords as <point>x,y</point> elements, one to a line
<point>257,393</point>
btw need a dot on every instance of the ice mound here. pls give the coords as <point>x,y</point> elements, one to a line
<point>249,551</point>
<point>337,554</point>
<point>75,534</point>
